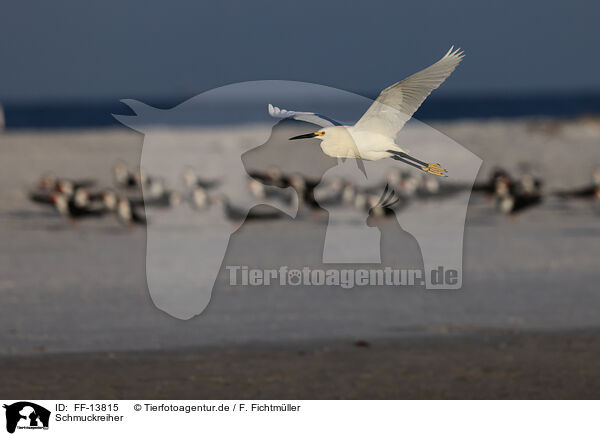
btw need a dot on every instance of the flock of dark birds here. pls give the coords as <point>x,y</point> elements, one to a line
<point>78,199</point>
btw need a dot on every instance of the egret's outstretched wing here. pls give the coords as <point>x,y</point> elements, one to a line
<point>309,117</point>
<point>397,103</point>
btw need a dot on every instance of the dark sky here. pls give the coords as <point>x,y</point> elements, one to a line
<point>117,49</point>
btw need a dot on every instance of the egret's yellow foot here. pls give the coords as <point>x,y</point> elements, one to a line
<point>435,169</point>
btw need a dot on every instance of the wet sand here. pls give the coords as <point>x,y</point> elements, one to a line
<point>455,364</point>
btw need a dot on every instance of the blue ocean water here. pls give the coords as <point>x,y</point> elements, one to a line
<point>82,114</point>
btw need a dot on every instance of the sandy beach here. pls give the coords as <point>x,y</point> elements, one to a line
<point>74,303</point>
<point>447,364</point>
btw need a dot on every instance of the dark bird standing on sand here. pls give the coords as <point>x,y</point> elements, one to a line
<point>305,188</point>
<point>336,192</point>
<point>490,186</point>
<point>261,191</point>
<point>513,198</point>
<point>588,192</point>
<point>76,207</point>
<point>432,189</point>
<point>192,180</point>
<point>124,178</point>
<point>155,194</point>
<point>41,196</point>
<point>272,176</point>
<point>128,214</point>
<point>233,213</point>
<point>199,199</point>
<point>50,183</point>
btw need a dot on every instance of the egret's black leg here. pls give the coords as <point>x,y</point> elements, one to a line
<point>406,156</point>
<point>427,167</point>
<point>396,157</point>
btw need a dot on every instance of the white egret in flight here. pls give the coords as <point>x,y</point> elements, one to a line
<point>373,136</point>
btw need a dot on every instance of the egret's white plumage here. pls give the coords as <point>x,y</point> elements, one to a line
<point>373,136</point>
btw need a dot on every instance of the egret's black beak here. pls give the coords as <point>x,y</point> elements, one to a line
<point>308,135</point>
